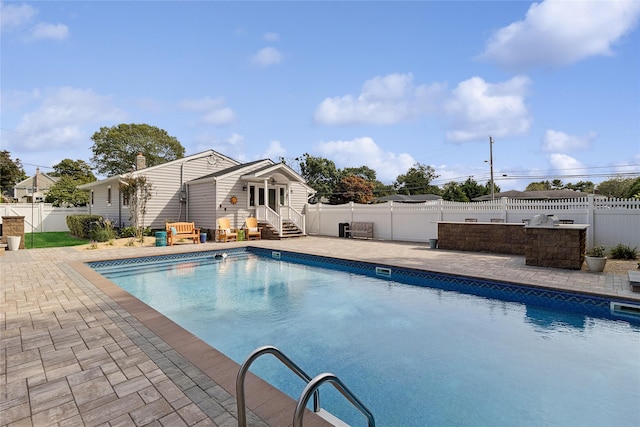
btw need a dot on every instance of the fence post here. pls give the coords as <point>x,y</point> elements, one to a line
<point>503,206</point>
<point>391,218</point>
<point>591,232</point>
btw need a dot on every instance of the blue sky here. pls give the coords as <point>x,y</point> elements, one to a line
<point>382,84</point>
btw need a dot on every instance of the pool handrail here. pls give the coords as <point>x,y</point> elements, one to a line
<point>242,373</point>
<point>312,387</point>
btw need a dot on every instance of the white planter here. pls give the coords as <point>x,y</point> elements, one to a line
<point>13,243</point>
<point>596,264</point>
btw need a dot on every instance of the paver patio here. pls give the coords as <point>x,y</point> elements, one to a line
<point>76,350</point>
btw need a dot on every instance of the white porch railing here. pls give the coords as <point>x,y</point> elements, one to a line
<point>274,219</point>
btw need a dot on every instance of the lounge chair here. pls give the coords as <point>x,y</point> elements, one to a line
<point>253,231</point>
<point>225,232</point>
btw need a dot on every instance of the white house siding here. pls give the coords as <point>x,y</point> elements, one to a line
<point>202,204</point>
<point>225,189</point>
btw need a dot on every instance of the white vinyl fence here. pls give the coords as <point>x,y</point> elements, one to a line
<point>41,217</point>
<point>611,221</point>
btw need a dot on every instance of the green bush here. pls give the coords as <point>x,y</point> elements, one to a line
<point>81,225</point>
<point>102,231</point>
<point>621,251</point>
<point>128,232</point>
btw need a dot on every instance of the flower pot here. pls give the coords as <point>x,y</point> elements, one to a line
<point>596,264</point>
<point>13,243</point>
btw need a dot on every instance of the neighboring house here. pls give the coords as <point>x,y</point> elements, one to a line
<point>404,198</point>
<point>34,189</point>
<point>206,186</point>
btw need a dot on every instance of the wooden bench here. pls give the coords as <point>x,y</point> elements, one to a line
<point>359,229</point>
<point>182,230</point>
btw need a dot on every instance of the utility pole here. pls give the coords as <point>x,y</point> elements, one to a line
<point>491,166</point>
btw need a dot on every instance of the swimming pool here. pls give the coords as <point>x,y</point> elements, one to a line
<point>414,355</point>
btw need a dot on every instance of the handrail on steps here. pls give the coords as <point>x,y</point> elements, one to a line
<point>311,388</point>
<point>242,373</point>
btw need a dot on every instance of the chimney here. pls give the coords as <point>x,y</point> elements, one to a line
<point>36,184</point>
<point>141,162</point>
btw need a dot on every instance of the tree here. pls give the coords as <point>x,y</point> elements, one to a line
<point>11,173</point>
<point>320,173</point>
<point>634,191</point>
<point>65,193</point>
<point>115,148</point>
<point>137,191</point>
<point>539,186</point>
<point>352,188</point>
<point>417,180</point>
<point>557,184</point>
<point>76,169</point>
<point>584,186</point>
<point>617,187</point>
<point>453,192</point>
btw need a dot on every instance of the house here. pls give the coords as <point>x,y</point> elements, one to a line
<point>34,189</point>
<point>206,186</point>
<point>404,198</point>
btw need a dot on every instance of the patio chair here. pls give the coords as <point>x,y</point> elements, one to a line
<point>225,232</point>
<point>253,231</point>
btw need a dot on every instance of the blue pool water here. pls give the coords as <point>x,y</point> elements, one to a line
<point>414,355</point>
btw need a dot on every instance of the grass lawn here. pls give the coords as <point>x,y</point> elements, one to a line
<point>52,240</point>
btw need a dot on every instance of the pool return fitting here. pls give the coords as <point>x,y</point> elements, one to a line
<point>311,388</point>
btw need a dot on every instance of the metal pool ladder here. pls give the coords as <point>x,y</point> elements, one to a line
<point>311,388</point>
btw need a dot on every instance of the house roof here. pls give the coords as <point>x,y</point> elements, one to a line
<point>116,178</point>
<point>256,171</point>
<point>28,180</point>
<point>535,195</point>
<point>405,198</point>
<point>229,171</point>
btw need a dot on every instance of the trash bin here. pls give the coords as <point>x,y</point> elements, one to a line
<point>161,238</point>
<point>433,243</point>
<point>240,236</point>
<point>341,228</point>
<point>203,237</point>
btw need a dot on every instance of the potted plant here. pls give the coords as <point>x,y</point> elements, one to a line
<point>596,258</point>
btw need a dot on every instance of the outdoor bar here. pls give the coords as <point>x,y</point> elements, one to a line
<point>544,242</point>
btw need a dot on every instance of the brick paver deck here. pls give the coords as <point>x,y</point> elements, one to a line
<point>76,350</point>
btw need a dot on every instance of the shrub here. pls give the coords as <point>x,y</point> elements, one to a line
<point>81,225</point>
<point>597,251</point>
<point>102,231</point>
<point>621,251</point>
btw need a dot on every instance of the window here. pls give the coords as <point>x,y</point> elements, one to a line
<point>252,195</point>
<point>108,195</point>
<point>92,197</point>
<point>260,196</point>
<point>125,199</point>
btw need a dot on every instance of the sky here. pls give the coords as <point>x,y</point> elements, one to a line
<point>555,84</point>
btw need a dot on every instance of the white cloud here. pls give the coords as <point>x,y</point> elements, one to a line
<point>383,100</point>
<point>12,16</point>
<point>560,32</point>
<point>213,110</point>
<point>274,151</point>
<point>66,117</point>
<point>271,37</point>
<point>364,151</point>
<point>478,109</point>
<point>566,165</point>
<point>49,31</point>
<point>267,56</point>
<point>19,18</point>
<point>558,141</point>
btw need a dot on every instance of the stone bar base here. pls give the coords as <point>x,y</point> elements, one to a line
<point>560,247</point>
<point>501,238</point>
